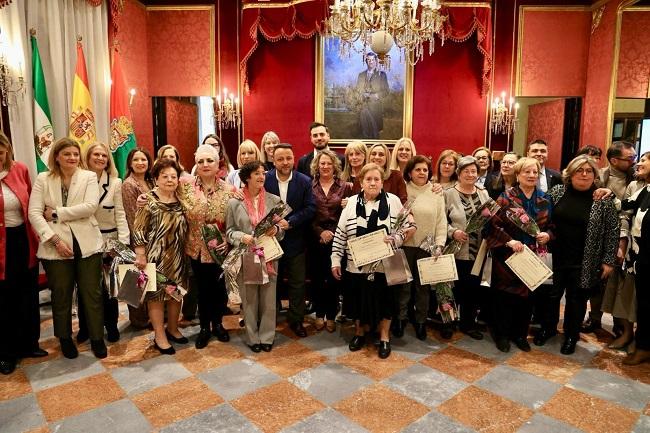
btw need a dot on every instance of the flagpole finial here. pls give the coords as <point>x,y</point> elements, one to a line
<point>79,38</point>
<point>32,31</point>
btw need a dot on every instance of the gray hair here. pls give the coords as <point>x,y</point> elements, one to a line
<point>206,148</point>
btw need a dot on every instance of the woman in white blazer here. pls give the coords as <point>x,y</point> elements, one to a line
<point>62,212</point>
<point>111,218</point>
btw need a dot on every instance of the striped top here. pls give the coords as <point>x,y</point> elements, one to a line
<point>347,229</point>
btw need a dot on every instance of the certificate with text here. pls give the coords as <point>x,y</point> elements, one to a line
<point>530,269</point>
<point>440,270</point>
<point>271,247</point>
<point>369,248</point>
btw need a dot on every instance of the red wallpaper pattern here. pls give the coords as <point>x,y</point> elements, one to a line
<point>634,57</point>
<point>132,37</point>
<point>179,52</point>
<point>546,121</point>
<point>554,52</point>
<point>599,77</point>
<point>182,131</point>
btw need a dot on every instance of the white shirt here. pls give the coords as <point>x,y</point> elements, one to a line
<point>283,186</point>
<point>12,209</point>
<point>541,182</point>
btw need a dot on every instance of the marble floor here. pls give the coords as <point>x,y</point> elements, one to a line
<point>316,385</point>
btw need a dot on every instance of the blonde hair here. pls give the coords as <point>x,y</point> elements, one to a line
<point>575,164</point>
<point>268,136</point>
<point>523,163</point>
<point>162,150</point>
<point>387,152</point>
<point>394,165</point>
<point>353,146</point>
<point>9,159</point>
<point>248,145</point>
<point>335,162</point>
<point>110,164</point>
<point>57,147</point>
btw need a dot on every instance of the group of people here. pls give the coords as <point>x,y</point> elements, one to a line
<point>591,222</point>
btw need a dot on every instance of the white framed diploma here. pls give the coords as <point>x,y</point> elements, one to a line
<point>369,248</point>
<point>434,271</point>
<point>530,269</point>
<point>271,246</point>
<point>150,270</point>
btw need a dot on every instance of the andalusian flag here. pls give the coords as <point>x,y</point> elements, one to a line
<point>122,136</point>
<point>82,118</point>
<point>43,132</point>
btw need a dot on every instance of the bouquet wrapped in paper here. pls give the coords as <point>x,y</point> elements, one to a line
<point>524,222</point>
<point>213,237</point>
<point>396,267</point>
<point>444,291</point>
<point>475,224</point>
<point>232,264</point>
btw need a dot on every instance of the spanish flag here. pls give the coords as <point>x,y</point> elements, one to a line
<point>82,118</point>
<point>122,136</point>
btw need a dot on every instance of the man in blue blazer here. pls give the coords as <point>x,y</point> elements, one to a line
<point>320,138</point>
<point>548,177</point>
<point>294,189</point>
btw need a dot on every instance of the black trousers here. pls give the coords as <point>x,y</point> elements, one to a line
<point>467,291</point>
<point>576,299</point>
<point>642,335</point>
<point>547,299</point>
<point>19,311</point>
<point>294,269</point>
<point>511,315</point>
<point>325,289</point>
<point>212,296</point>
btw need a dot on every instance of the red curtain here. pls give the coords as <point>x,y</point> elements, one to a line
<point>304,18</point>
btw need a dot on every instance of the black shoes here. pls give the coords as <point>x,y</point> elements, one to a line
<point>168,351</point>
<point>522,344</point>
<point>203,338</point>
<point>298,329</point>
<point>220,332</point>
<point>421,331</point>
<point>398,328</point>
<point>266,347</point>
<point>112,334</point>
<point>68,348</point>
<point>99,348</point>
<point>503,344</point>
<point>34,353</point>
<point>384,349</point>
<point>473,333</point>
<point>446,332</point>
<point>357,342</point>
<point>542,336</point>
<point>7,366</point>
<point>569,346</point>
<point>179,340</point>
<point>257,348</point>
<point>590,325</point>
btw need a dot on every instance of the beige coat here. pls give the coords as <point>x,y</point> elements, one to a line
<point>77,217</point>
<point>110,213</point>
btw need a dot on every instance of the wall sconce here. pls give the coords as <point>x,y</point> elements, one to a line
<point>131,95</point>
<point>503,119</point>
<point>9,86</point>
<point>226,111</point>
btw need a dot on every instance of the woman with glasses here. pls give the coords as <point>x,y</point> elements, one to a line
<point>446,166</point>
<point>495,184</point>
<point>225,166</point>
<point>484,159</point>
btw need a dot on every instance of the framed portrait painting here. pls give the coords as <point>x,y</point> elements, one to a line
<point>359,99</point>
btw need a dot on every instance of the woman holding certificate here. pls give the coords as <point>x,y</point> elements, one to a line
<point>428,211</point>
<point>584,249</point>
<point>206,198</point>
<point>461,202</point>
<point>521,206</point>
<point>258,300</point>
<point>370,302</point>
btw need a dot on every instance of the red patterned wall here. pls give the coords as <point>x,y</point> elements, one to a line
<point>179,52</point>
<point>132,37</point>
<point>599,77</point>
<point>182,130</point>
<point>554,52</point>
<point>545,121</point>
<point>634,57</point>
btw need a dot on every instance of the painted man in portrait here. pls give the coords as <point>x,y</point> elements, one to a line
<point>372,85</point>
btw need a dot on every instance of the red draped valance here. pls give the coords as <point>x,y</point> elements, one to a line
<point>286,19</point>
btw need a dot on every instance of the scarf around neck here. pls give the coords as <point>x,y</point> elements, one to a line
<point>378,219</point>
<point>255,215</point>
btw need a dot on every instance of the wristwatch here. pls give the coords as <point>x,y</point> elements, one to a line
<point>54,216</point>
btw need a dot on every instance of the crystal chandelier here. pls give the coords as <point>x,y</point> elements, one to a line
<point>409,23</point>
<point>226,111</point>
<point>503,119</point>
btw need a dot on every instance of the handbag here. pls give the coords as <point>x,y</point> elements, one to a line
<point>396,269</point>
<point>254,269</point>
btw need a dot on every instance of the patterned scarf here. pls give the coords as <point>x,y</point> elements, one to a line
<point>378,219</point>
<point>255,215</point>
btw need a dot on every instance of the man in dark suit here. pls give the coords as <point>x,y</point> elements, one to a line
<point>294,189</point>
<point>372,85</point>
<point>320,138</point>
<point>548,177</point>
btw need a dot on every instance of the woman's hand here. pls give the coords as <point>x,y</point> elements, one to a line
<point>47,213</point>
<point>344,202</point>
<point>602,193</point>
<point>247,239</point>
<point>436,188</point>
<point>141,201</point>
<point>222,247</point>
<point>140,261</point>
<point>326,237</point>
<point>283,224</point>
<point>336,272</point>
<point>516,246</point>
<point>460,236</point>
<point>272,231</point>
<point>542,238</point>
<point>239,195</point>
<point>63,249</point>
<point>607,270</point>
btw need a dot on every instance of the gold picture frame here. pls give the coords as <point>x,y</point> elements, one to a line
<point>320,109</point>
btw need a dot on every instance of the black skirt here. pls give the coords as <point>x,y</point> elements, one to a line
<point>368,301</point>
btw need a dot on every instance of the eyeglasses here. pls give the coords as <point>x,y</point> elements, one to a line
<point>508,162</point>
<point>482,158</point>
<point>448,164</point>
<point>586,171</point>
<point>628,159</point>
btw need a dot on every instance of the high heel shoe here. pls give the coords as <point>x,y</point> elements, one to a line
<point>168,351</point>
<point>179,340</point>
<point>614,345</point>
